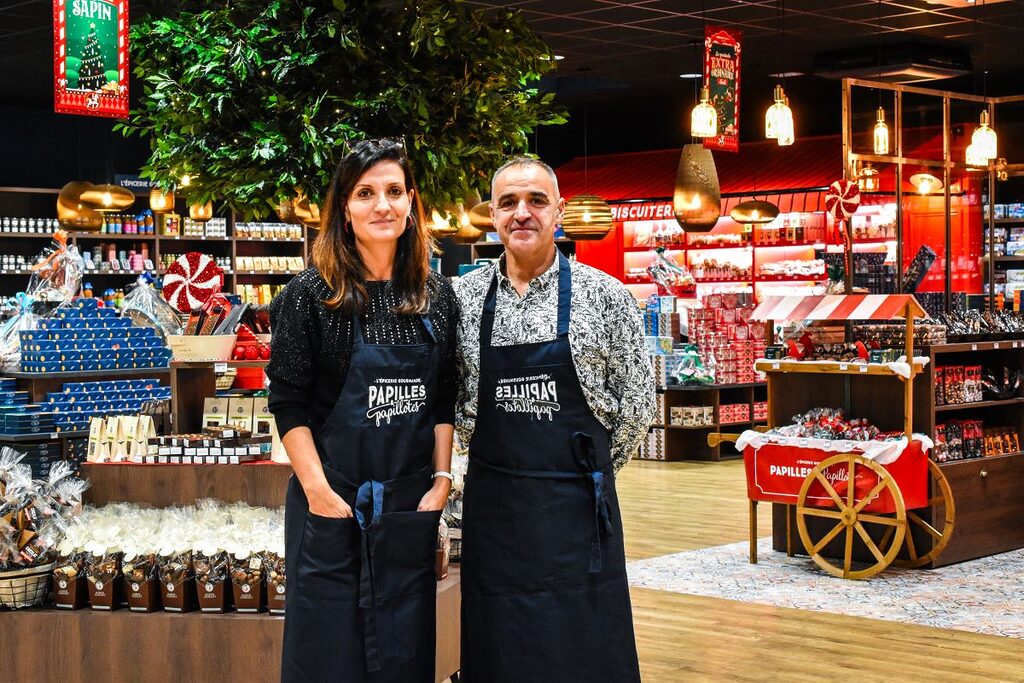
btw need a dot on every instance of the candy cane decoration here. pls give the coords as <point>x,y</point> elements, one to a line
<point>191,280</point>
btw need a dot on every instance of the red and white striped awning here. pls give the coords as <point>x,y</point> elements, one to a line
<point>838,307</point>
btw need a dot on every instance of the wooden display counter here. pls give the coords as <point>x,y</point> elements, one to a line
<point>87,646</point>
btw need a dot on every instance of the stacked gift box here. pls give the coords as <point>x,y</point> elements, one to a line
<point>726,337</point>
<point>732,413</point>
<point>40,456</point>
<point>86,338</point>
<point>221,445</point>
<point>653,447</point>
<point>760,410</point>
<point>661,318</point>
<point>77,402</point>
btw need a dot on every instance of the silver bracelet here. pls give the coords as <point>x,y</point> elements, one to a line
<point>446,475</point>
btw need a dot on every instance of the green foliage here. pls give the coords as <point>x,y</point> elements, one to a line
<point>72,63</point>
<point>258,100</point>
<point>110,76</point>
<point>72,77</point>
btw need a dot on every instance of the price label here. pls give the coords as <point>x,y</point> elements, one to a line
<point>220,367</point>
<point>863,368</point>
<point>1016,345</point>
<point>775,366</point>
<point>843,366</point>
<point>974,347</point>
<point>995,345</point>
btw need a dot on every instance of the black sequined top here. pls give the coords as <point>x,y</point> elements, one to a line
<point>312,346</point>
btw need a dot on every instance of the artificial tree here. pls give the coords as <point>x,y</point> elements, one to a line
<point>256,101</point>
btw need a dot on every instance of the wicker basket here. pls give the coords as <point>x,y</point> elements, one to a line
<point>227,379</point>
<point>25,587</point>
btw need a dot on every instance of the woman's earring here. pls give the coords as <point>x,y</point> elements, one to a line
<point>408,222</point>
<point>348,226</point>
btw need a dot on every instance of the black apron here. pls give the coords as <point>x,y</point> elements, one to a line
<point>544,591</point>
<point>361,597</point>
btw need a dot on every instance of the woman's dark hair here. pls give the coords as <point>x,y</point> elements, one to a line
<point>334,252</point>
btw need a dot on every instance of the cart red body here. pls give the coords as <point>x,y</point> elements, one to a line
<point>776,472</point>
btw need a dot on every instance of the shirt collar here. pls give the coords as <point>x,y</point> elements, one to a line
<point>542,280</point>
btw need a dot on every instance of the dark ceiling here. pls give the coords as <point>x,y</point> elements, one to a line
<point>623,60</point>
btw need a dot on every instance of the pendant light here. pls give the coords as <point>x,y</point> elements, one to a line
<point>697,199</point>
<point>881,135</point>
<point>704,118</point>
<point>984,138</point>
<point>867,179</point>
<point>108,197</point>
<point>975,159</point>
<point>200,213</point>
<point>161,201</point>
<point>881,132</point>
<point>586,216</point>
<point>754,211</point>
<point>778,120</point>
<point>73,213</point>
<point>925,183</point>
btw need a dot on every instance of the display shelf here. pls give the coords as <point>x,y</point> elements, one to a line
<point>961,347</point>
<point>161,485</point>
<point>770,279</point>
<point>298,240</point>
<point>102,236</point>
<point>191,384</point>
<point>21,235</point>
<point>214,363</point>
<point>723,280</point>
<point>712,387</point>
<point>1007,221</point>
<point>267,272</point>
<point>691,443</point>
<point>89,374</point>
<point>1005,259</point>
<point>192,238</point>
<point>647,250</point>
<point>716,247</point>
<point>987,458</point>
<point>826,367</point>
<point>47,436</point>
<point>977,404</point>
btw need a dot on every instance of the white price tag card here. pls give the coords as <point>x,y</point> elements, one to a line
<point>863,368</point>
<point>995,345</point>
<point>974,347</point>
<point>843,366</point>
<point>220,368</point>
<point>775,366</point>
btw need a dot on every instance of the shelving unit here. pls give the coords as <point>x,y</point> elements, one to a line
<point>492,250</point>
<point>40,202</point>
<point>191,384</point>
<point>690,443</point>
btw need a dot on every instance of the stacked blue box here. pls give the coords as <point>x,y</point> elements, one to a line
<point>85,338</point>
<point>40,456</point>
<point>25,419</point>
<point>79,401</point>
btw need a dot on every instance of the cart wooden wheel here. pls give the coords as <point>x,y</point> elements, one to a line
<point>940,533</point>
<point>850,517</point>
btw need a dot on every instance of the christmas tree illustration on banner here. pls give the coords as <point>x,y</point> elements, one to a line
<point>91,77</point>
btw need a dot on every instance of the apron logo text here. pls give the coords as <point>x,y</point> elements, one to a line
<point>536,395</point>
<point>390,398</point>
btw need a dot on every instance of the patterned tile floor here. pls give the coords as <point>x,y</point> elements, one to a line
<point>983,596</point>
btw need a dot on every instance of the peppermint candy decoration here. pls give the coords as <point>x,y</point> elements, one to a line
<point>191,281</point>
<point>842,199</point>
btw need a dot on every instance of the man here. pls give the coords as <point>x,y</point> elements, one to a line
<point>556,394</point>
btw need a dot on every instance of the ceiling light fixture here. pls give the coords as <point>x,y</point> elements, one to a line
<point>984,139</point>
<point>704,117</point>
<point>867,180</point>
<point>778,120</point>
<point>881,135</point>
<point>925,183</point>
<point>691,75</point>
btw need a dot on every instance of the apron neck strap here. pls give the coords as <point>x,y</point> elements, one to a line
<point>564,302</point>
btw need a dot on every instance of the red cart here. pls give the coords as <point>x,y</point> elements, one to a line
<point>891,481</point>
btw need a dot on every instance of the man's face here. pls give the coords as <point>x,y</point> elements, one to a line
<point>525,209</point>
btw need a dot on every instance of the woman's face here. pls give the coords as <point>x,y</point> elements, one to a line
<point>379,205</point>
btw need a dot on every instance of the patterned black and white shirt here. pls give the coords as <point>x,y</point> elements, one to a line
<point>605,336</point>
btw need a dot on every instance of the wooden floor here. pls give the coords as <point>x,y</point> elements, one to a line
<point>671,507</point>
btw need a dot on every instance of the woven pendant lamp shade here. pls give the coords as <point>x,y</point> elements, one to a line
<point>72,213</point>
<point>160,201</point>
<point>480,217</point>
<point>586,217</point>
<point>697,200</point>
<point>286,211</point>
<point>306,211</point>
<point>754,211</point>
<point>201,212</point>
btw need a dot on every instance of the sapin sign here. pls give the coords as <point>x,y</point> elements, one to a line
<point>536,396</point>
<point>390,398</point>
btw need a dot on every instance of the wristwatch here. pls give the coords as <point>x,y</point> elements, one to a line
<point>446,475</point>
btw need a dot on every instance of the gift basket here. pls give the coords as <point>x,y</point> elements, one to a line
<point>35,515</point>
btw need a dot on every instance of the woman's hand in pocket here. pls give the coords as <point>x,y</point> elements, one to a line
<point>324,502</point>
<point>435,498</point>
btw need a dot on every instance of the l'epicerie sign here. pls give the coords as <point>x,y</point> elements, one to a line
<point>642,211</point>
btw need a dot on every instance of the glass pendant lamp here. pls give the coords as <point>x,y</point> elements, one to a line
<point>984,138</point>
<point>881,136</point>
<point>704,118</point>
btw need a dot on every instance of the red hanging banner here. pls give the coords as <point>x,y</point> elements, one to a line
<point>90,57</point>
<point>722,76</point>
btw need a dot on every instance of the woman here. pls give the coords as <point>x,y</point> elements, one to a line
<point>362,384</point>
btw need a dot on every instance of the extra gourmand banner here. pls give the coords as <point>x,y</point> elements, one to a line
<point>90,57</point>
<point>722,75</point>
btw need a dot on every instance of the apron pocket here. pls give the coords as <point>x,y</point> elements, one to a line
<point>408,544</point>
<point>328,566</point>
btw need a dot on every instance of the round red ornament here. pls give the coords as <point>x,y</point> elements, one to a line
<point>191,280</point>
<point>842,199</point>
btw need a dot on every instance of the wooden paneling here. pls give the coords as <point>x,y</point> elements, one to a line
<point>163,485</point>
<point>87,646</point>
